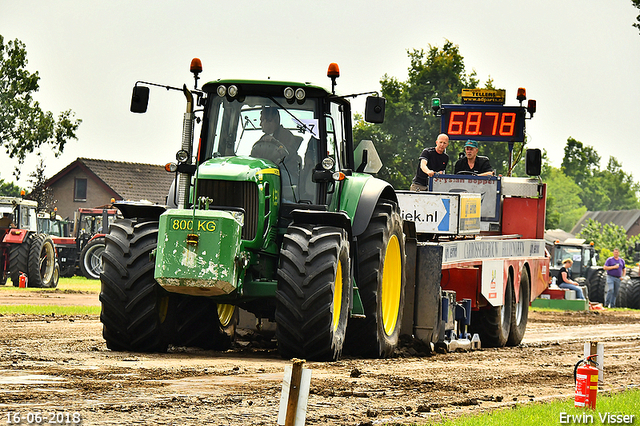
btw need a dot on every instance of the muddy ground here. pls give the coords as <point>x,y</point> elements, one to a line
<point>60,366</point>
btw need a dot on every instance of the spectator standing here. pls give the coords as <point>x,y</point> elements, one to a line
<point>432,160</point>
<point>616,269</point>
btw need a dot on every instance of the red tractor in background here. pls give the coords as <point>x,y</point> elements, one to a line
<point>24,251</point>
<point>83,248</point>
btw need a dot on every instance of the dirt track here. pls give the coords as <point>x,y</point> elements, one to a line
<point>61,365</point>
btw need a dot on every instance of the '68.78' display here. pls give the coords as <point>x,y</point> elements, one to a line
<point>483,122</point>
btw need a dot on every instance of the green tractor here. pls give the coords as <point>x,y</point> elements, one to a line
<point>273,212</point>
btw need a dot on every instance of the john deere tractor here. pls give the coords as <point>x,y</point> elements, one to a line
<point>272,213</point>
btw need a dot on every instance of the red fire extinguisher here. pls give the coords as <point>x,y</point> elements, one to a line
<point>586,379</point>
<point>22,281</point>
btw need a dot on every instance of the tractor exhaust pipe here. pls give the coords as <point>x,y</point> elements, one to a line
<point>184,179</point>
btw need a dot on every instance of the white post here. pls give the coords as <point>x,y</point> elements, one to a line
<point>595,348</point>
<point>295,394</point>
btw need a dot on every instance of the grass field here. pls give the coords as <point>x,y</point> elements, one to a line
<point>49,310</point>
<point>610,409</point>
<point>70,285</point>
<point>65,285</point>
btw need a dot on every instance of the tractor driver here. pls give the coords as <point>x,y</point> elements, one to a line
<point>472,163</point>
<point>280,146</point>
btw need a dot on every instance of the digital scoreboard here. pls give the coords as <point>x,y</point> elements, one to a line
<point>483,122</point>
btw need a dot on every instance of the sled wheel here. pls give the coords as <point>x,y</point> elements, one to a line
<point>494,323</point>
<point>312,298</point>
<point>520,311</point>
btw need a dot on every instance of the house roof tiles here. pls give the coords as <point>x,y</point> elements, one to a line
<point>128,181</point>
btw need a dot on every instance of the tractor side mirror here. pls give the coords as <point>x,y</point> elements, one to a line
<point>139,99</point>
<point>374,109</point>
<point>533,162</point>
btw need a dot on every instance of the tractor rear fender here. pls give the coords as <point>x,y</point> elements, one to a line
<point>338,219</point>
<point>15,236</point>
<point>132,210</point>
<point>360,194</point>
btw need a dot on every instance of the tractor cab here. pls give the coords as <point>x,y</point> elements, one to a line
<point>583,255</point>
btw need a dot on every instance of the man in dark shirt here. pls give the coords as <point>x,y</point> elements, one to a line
<point>280,146</point>
<point>473,163</point>
<point>432,160</point>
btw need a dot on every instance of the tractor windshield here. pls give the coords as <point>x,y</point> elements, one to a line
<point>270,128</point>
<point>235,128</point>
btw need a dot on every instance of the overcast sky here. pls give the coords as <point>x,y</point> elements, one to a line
<point>579,59</point>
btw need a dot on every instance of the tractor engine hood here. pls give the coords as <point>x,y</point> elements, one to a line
<point>237,168</point>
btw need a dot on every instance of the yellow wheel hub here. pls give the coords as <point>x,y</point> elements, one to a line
<point>225,313</point>
<point>391,285</point>
<point>337,298</point>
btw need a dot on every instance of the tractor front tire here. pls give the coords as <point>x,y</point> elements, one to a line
<point>134,306</point>
<point>380,283</point>
<point>494,324</point>
<point>520,311</point>
<point>312,297</point>
<point>91,258</point>
<point>42,261</point>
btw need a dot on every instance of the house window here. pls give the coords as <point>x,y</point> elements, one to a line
<point>80,190</point>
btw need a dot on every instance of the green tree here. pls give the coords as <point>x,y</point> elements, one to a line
<point>579,161</point>
<point>39,191</point>
<point>8,189</point>
<point>636,3</point>
<point>618,186</point>
<point>24,127</point>
<point>607,237</point>
<point>608,189</point>
<point>410,125</point>
<point>564,194</point>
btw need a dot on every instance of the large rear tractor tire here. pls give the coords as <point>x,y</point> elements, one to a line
<point>134,306</point>
<point>19,260</point>
<point>633,293</point>
<point>598,286</point>
<point>91,258</point>
<point>312,298</point>
<point>494,324</point>
<point>42,261</point>
<point>623,290</point>
<point>202,323</point>
<point>520,311</point>
<point>381,284</point>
